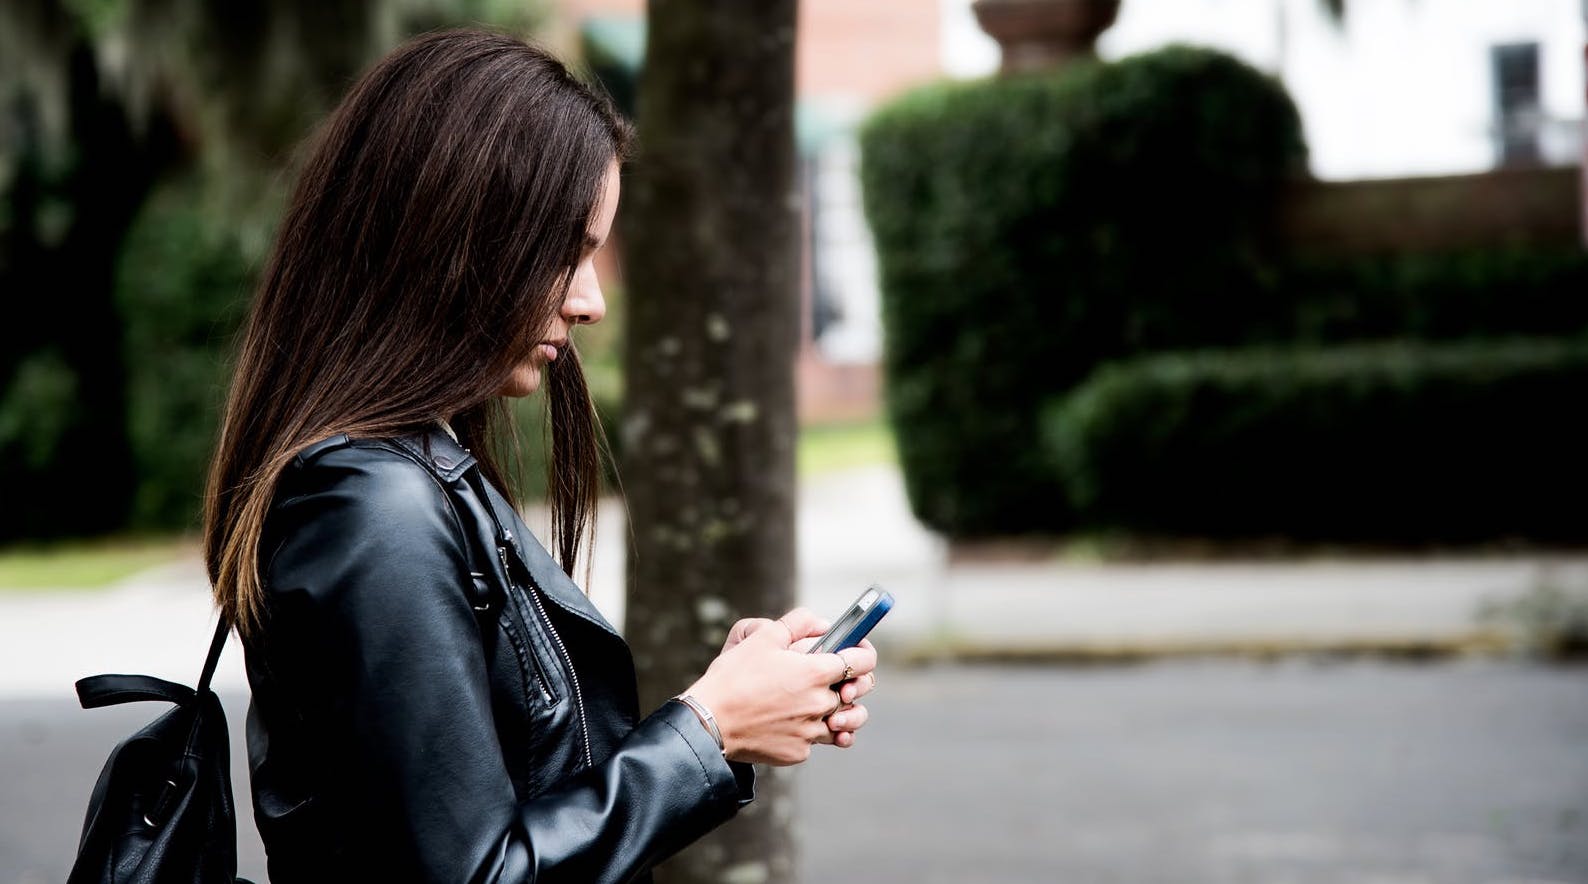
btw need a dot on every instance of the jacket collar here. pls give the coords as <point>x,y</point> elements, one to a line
<point>450,460</point>
<point>554,583</point>
<point>435,446</point>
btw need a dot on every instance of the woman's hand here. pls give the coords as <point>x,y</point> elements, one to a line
<point>851,716</point>
<point>772,700</point>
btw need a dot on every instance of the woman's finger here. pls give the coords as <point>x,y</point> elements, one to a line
<point>803,623</point>
<point>846,664</point>
<point>848,718</point>
<point>858,687</point>
<point>743,629</point>
<point>848,691</point>
<point>821,734</point>
<point>860,660</point>
<point>824,703</point>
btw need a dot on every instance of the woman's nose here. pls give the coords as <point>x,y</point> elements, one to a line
<point>584,305</point>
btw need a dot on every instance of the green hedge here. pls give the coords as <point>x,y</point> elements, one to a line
<point>1401,441</point>
<point>1471,293</point>
<point>1029,228</point>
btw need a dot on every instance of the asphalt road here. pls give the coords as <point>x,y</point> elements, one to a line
<point>1216,771</point>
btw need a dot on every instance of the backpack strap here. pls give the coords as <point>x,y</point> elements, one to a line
<point>113,690</point>
<point>217,644</point>
<point>479,552</point>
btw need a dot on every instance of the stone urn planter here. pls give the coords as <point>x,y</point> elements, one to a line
<point>1039,34</point>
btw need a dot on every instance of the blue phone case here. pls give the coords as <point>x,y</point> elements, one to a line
<point>863,628</point>
<point>849,634</point>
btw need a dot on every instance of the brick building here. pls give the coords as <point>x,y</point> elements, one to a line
<point>850,56</point>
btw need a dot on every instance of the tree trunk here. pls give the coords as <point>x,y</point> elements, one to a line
<point>708,431</point>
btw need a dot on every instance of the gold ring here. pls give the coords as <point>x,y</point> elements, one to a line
<point>849,672</point>
<point>873,676</point>
<point>836,706</point>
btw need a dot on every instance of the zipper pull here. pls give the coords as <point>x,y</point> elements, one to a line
<point>501,553</point>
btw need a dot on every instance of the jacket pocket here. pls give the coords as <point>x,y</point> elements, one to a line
<point>516,624</point>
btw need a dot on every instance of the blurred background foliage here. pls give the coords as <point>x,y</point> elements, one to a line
<point>179,290</point>
<point>1069,261</point>
<point>1095,320</point>
<point>144,151</point>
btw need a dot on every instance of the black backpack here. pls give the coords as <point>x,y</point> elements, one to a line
<point>162,808</point>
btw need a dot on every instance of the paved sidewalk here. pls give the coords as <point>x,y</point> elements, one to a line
<point>855,528</point>
<point>858,527</point>
<point>1300,771</point>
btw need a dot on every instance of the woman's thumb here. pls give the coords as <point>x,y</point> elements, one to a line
<point>801,623</point>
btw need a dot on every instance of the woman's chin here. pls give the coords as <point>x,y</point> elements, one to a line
<point>525,380</point>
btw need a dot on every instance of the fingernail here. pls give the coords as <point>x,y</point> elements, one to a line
<point>837,720</point>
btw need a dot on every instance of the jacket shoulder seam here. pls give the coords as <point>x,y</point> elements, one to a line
<point>446,497</point>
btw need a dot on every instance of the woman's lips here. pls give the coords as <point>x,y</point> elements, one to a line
<point>549,351</point>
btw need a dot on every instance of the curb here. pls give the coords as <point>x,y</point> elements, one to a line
<point>1115,653</point>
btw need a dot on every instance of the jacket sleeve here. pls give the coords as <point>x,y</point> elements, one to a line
<point>367,580</point>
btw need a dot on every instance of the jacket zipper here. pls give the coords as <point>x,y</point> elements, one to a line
<point>578,695</point>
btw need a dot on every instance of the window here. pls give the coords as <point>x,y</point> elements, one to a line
<point>1518,113</point>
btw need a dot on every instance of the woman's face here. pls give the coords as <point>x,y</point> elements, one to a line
<point>584,303</point>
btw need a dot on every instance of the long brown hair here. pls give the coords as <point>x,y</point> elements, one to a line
<point>429,243</point>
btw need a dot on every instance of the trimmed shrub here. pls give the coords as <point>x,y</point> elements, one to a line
<point>1397,441</point>
<point>1029,228</point>
<point>1434,296</point>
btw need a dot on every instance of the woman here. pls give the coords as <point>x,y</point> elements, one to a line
<point>433,698</point>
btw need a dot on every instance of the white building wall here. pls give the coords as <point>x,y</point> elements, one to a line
<point>846,258</point>
<point>1403,87</point>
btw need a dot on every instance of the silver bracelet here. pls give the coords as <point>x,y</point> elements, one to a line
<point>706,718</point>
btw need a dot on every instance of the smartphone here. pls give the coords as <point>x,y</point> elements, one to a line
<point>849,629</point>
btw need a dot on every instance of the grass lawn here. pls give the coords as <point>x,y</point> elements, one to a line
<point>92,564</point>
<point>85,564</point>
<point>824,448</point>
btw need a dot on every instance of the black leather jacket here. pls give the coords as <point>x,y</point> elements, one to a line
<point>434,699</point>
